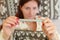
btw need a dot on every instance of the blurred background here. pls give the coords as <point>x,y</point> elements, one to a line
<point>48,8</point>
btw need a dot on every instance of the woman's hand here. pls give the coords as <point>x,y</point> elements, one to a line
<point>8,26</point>
<point>48,28</point>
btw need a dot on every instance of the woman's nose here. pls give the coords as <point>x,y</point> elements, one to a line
<point>32,12</point>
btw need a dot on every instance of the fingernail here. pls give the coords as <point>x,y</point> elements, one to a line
<point>42,23</point>
<point>17,18</point>
<point>12,25</point>
<point>17,23</point>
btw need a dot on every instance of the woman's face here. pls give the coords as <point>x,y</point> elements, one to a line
<point>29,9</point>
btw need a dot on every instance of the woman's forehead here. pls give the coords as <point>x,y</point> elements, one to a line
<point>31,3</point>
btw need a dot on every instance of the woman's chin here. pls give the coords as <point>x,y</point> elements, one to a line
<point>31,18</point>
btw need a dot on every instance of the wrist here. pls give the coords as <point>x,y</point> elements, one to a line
<point>55,36</point>
<point>4,37</point>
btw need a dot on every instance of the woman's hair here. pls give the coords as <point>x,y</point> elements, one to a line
<point>21,3</point>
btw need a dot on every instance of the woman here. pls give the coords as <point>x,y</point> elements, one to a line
<point>27,9</point>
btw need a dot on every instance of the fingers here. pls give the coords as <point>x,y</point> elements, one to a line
<point>45,20</point>
<point>11,21</point>
<point>48,27</point>
<point>6,25</point>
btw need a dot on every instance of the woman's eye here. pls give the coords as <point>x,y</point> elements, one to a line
<point>27,8</point>
<point>34,8</point>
